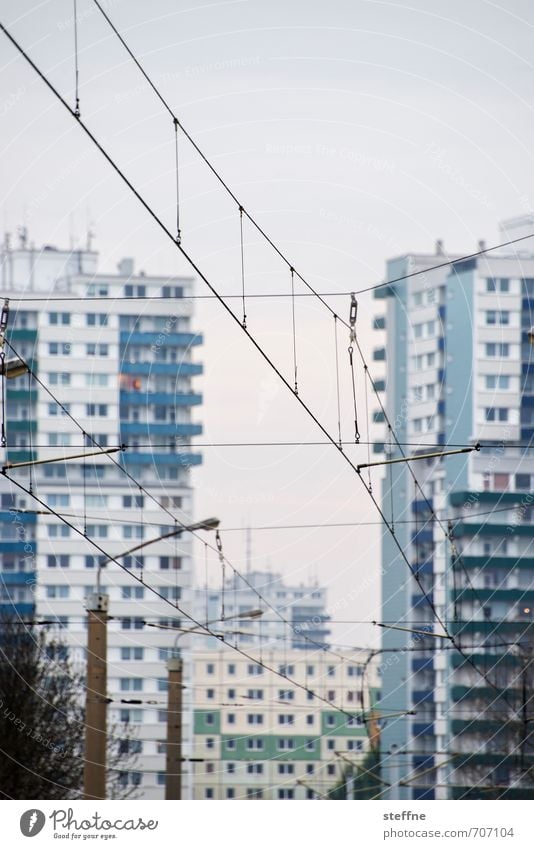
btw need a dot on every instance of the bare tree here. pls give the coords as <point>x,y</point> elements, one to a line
<point>42,720</point>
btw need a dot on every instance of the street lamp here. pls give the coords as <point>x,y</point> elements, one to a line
<point>210,524</point>
<point>13,368</point>
<point>95,699</point>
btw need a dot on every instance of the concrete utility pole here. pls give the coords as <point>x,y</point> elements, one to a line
<point>94,775</point>
<point>173,783</point>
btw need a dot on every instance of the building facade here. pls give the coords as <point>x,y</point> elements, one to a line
<point>304,606</point>
<point>117,354</point>
<point>258,736</point>
<point>459,372</point>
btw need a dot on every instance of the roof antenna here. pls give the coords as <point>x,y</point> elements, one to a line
<point>248,555</point>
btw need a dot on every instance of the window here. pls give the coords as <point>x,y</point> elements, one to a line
<point>96,319</point>
<point>132,592</point>
<point>310,719</point>
<point>131,684</point>
<point>354,671</point>
<point>208,793</point>
<point>131,653</point>
<point>310,670</point>
<point>254,743</point>
<point>231,669</point>
<point>497,317</point>
<point>254,694</point>
<point>97,531</point>
<point>59,349</point>
<point>61,560</point>
<point>172,292</point>
<point>497,381</point>
<point>331,670</point>
<point>286,695</point>
<point>97,289</point>
<point>53,591</point>
<point>286,769</point>
<point>255,719</point>
<point>133,500</point>
<point>129,623</point>
<point>92,561</point>
<point>286,669</point>
<point>497,349</point>
<point>170,593</point>
<point>210,668</point>
<point>210,743</point>
<point>55,410</point>
<point>230,793</point>
<point>96,409</point>
<point>128,715</point>
<point>331,695</point>
<point>354,745</point>
<point>496,414</point>
<point>497,284</point>
<point>58,530</point>
<point>210,694</point>
<point>310,769</point>
<point>96,379</point>
<point>331,769</point>
<point>170,562</point>
<point>230,744</point>
<point>130,747</point>
<point>209,719</point>
<point>59,379</point>
<point>59,318</point>
<point>230,768</point>
<point>163,685</point>
<point>330,720</point>
<point>231,719</point>
<point>330,745</point>
<point>97,349</point>
<point>254,769</point>
<point>286,719</point>
<point>286,793</point>
<point>285,744</point>
<point>310,746</point>
<point>522,481</point>
<point>132,532</point>
<point>231,694</point>
<point>254,669</point>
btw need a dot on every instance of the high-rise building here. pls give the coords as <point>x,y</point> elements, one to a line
<point>460,371</point>
<point>116,352</point>
<point>259,736</point>
<point>302,605</point>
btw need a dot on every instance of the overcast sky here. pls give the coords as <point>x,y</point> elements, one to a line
<point>354,131</point>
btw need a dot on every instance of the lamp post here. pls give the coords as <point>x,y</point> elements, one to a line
<point>96,687</point>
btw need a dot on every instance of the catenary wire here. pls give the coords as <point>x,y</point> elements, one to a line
<point>155,217</point>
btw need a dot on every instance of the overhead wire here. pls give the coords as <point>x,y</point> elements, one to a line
<point>202,276</point>
<point>152,213</point>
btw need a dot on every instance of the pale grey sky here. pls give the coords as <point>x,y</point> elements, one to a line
<point>354,131</point>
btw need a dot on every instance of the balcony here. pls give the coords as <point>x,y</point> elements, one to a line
<point>177,369</point>
<point>21,608</point>
<point>170,340</point>
<point>182,399</point>
<point>146,458</point>
<point>148,429</point>
<point>18,579</point>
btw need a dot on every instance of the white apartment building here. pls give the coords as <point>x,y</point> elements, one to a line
<point>260,736</point>
<point>123,369</point>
